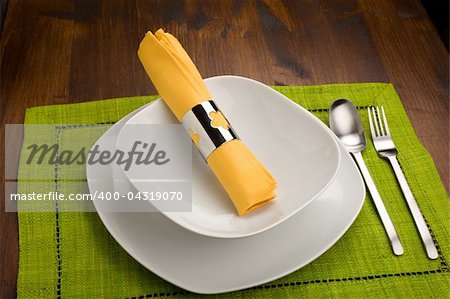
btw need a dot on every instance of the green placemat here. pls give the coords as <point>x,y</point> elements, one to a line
<point>72,255</point>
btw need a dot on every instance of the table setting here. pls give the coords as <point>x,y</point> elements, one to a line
<point>320,229</point>
<point>223,186</point>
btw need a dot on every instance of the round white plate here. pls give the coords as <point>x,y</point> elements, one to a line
<point>295,146</point>
<point>212,265</point>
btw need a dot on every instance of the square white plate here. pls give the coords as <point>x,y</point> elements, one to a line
<point>212,265</point>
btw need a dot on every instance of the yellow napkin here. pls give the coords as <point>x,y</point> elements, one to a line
<point>178,82</point>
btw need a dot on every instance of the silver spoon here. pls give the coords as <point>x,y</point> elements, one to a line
<point>346,123</point>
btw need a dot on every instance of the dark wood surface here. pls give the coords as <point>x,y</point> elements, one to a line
<point>68,51</point>
<point>3,5</point>
<point>438,11</point>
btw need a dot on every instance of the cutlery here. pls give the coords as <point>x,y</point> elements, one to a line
<point>346,123</point>
<point>384,145</point>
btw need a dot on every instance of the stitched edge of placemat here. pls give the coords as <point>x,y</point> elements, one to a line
<point>443,266</point>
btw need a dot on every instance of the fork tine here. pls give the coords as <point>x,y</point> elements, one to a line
<point>377,129</point>
<point>372,129</point>
<point>385,122</point>
<point>380,121</point>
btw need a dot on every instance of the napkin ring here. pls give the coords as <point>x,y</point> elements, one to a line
<point>207,127</point>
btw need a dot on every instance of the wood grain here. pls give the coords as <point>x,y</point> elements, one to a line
<point>68,51</point>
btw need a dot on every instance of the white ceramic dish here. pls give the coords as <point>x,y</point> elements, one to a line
<point>212,265</point>
<point>297,148</point>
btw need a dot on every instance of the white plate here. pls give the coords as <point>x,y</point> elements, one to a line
<point>212,265</point>
<point>296,147</point>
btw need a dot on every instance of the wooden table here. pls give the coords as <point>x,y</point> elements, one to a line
<point>68,51</point>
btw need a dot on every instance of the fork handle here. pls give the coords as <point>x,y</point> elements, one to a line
<point>414,209</point>
<point>381,209</point>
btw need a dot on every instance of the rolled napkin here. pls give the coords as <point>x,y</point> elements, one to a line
<point>180,85</point>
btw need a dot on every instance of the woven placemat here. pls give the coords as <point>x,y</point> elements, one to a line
<point>72,255</point>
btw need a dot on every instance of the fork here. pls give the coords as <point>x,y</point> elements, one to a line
<point>386,149</point>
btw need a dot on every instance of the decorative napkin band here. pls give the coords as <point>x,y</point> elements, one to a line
<point>208,127</point>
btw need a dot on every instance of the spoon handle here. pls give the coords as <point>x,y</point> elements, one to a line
<point>381,209</point>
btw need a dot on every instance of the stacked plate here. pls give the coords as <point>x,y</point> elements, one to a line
<point>211,249</point>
